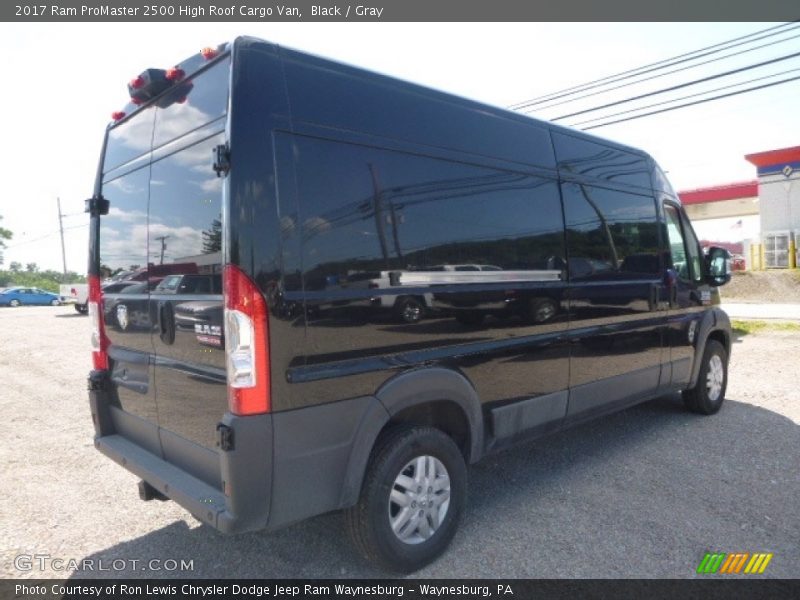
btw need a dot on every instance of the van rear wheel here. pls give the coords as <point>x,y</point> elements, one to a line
<point>707,395</point>
<point>411,500</point>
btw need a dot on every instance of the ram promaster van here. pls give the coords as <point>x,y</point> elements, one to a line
<point>292,393</point>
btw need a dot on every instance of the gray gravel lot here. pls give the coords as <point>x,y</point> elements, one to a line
<point>645,492</point>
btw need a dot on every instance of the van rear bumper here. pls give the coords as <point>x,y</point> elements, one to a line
<point>242,503</point>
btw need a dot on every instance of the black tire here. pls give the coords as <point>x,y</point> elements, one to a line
<point>410,310</point>
<point>708,394</point>
<point>81,308</point>
<point>14,303</point>
<point>543,309</point>
<point>369,521</point>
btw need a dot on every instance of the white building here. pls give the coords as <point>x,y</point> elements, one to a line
<point>779,193</point>
<point>759,219</point>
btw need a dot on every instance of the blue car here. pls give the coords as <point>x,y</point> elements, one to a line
<point>22,295</point>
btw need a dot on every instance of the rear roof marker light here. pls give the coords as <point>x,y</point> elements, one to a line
<point>118,115</point>
<point>209,53</point>
<point>175,74</point>
<point>137,82</point>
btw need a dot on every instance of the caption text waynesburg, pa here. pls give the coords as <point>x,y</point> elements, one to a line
<point>250,590</point>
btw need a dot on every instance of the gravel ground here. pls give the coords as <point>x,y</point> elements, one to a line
<point>645,492</point>
<point>780,285</point>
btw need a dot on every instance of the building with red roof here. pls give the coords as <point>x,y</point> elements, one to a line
<point>762,216</point>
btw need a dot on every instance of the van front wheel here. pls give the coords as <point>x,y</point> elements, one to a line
<point>412,499</point>
<point>708,393</point>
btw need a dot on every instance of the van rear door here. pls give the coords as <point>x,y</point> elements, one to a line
<point>185,239</point>
<point>166,346</point>
<point>123,246</point>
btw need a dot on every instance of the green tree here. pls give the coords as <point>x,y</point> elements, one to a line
<point>31,267</point>
<point>5,234</point>
<point>15,267</point>
<point>212,237</point>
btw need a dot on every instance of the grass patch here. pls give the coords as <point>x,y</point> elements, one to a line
<point>741,327</point>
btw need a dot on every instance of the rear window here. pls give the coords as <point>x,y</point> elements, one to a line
<point>165,199</point>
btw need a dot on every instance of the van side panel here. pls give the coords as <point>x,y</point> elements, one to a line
<point>407,214</point>
<point>343,98</point>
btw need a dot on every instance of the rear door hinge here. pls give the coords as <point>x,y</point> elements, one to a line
<point>222,159</point>
<point>96,205</point>
<point>224,437</point>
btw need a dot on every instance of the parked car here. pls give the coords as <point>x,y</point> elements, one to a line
<point>408,308</point>
<point>252,416</point>
<point>76,294</point>
<point>190,284</point>
<point>738,262</point>
<point>18,296</point>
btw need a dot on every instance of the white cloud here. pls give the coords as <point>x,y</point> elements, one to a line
<point>57,135</point>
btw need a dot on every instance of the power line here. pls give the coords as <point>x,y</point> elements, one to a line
<point>663,110</point>
<point>724,87</point>
<point>43,237</point>
<point>653,66</point>
<point>700,64</point>
<point>679,86</point>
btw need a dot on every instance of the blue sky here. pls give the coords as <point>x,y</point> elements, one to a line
<point>66,80</point>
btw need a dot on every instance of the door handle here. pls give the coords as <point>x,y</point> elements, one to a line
<point>166,323</point>
<point>671,281</point>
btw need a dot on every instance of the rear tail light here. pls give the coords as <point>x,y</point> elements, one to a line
<point>99,340</point>
<point>246,344</point>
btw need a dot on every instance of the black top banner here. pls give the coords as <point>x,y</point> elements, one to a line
<point>398,10</point>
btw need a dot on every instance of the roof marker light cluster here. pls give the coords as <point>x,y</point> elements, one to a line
<point>154,82</point>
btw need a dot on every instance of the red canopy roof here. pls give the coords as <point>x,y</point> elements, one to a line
<point>732,191</point>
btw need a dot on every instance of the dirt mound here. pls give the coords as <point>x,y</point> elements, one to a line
<point>763,286</point>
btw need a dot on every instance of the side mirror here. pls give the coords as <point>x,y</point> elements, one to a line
<point>718,266</point>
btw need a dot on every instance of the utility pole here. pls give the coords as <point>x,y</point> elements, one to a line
<point>378,208</point>
<point>163,240</point>
<point>61,229</point>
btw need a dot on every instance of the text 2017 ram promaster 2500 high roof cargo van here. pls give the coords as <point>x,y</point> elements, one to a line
<point>560,278</point>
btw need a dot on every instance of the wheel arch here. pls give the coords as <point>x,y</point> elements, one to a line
<point>435,396</point>
<point>439,397</point>
<point>715,325</point>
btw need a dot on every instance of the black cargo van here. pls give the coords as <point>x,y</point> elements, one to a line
<point>290,393</point>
